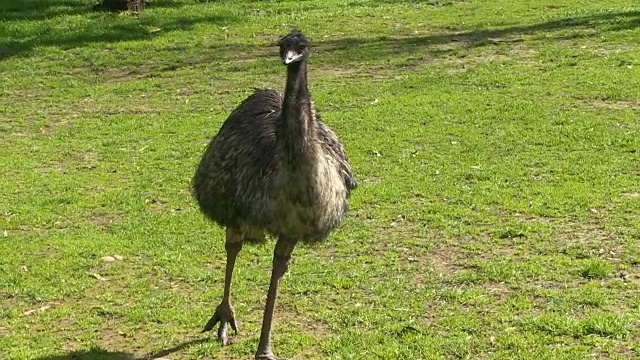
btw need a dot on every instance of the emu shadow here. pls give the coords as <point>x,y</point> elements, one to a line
<point>92,354</point>
<point>179,347</point>
<point>101,354</point>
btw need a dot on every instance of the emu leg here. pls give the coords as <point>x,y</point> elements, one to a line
<point>224,312</point>
<point>281,259</point>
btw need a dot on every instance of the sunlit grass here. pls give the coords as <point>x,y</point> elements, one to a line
<point>495,143</point>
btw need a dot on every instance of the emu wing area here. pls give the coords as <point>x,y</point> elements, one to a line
<point>333,146</point>
<point>234,182</point>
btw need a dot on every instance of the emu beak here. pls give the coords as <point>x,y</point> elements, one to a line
<point>291,56</point>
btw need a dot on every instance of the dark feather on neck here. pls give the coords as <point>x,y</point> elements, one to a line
<point>297,126</point>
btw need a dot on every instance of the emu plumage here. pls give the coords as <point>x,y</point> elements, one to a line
<point>273,168</point>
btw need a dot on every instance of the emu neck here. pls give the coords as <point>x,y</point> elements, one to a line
<point>297,126</point>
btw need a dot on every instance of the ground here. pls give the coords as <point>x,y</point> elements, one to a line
<point>496,145</point>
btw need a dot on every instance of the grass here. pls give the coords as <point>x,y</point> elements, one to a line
<point>496,146</point>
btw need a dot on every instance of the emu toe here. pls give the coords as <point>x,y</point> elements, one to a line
<point>267,357</point>
<point>224,315</point>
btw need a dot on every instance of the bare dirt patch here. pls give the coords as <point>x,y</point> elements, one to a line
<point>22,230</point>
<point>445,259</point>
<point>526,218</point>
<point>587,239</point>
<point>499,290</point>
<point>627,104</point>
<point>36,126</point>
<point>631,195</point>
<point>104,220</point>
<point>112,339</point>
<point>50,127</point>
<point>589,236</point>
<point>289,315</point>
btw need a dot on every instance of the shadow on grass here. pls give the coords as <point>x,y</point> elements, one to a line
<point>12,10</point>
<point>104,28</point>
<point>387,47</point>
<point>33,10</point>
<point>93,354</point>
<point>561,29</point>
<point>181,346</point>
<point>427,2</point>
<point>29,24</point>
<point>100,354</point>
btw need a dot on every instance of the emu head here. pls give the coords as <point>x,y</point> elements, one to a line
<point>293,47</point>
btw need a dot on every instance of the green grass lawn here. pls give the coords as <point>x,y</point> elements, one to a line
<point>496,143</point>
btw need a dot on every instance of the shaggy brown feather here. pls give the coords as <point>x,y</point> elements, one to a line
<point>246,180</point>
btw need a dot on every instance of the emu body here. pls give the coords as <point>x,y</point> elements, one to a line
<point>251,175</point>
<point>273,168</point>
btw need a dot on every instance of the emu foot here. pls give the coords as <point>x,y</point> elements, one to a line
<point>267,356</point>
<point>224,314</point>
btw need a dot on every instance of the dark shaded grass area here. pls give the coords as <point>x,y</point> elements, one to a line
<point>33,10</point>
<point>139,29</point>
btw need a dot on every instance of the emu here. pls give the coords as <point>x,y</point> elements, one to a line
<point>273,168</point>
